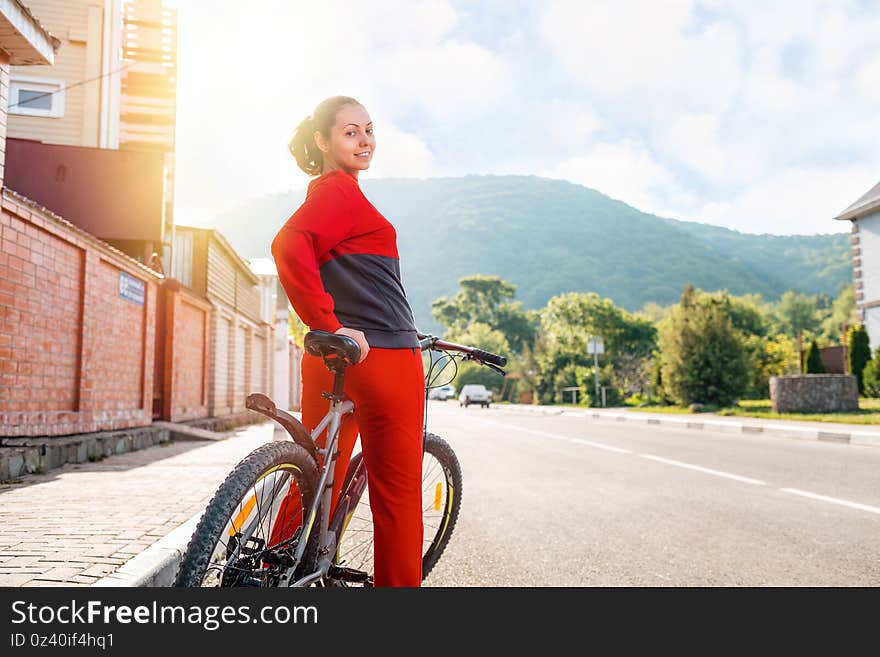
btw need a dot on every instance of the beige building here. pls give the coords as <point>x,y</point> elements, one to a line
<point>112,89</point>
<point>25,44</point>
<point>112,83</point>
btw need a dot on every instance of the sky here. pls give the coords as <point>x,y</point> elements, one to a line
<point>760,116</point>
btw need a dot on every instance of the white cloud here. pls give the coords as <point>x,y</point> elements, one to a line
<point>396,23</point>
<point>650,58</point>
<point>626,171</point>
<point>450,82</point>
<point>867,78</point>
<point>758,100</point>
<point>399,154</point>
<point>565,122</point>
<point>797,201</point>
<point>694,140</point>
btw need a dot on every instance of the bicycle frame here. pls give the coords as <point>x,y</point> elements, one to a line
<point>321,504</point>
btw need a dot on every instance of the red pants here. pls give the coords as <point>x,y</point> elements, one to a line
<point>388,391</point>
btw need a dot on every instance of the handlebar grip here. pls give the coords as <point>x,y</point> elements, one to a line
<point>485,356</point>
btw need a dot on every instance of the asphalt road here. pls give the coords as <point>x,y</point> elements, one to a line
<point>553,500</point>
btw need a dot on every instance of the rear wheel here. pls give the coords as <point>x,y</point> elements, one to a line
<point>441,501</point>
<point>251,527</point>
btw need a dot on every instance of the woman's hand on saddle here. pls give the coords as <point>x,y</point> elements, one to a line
<point>357,336</point>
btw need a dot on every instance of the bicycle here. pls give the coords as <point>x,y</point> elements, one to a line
<point>267,525</point>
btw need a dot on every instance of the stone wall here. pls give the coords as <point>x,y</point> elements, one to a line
<point>816,393</point>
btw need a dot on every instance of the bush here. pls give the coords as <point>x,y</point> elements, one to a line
<point>858,353</point>
<point>813,360</point>
<point>871,375</point>
<point>770,356</point>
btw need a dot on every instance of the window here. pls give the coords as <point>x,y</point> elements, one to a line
<point>32,96</point>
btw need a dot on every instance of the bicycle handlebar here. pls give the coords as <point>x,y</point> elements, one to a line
<point>433,342</point>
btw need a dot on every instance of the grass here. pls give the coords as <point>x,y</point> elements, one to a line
<point>868,413</point>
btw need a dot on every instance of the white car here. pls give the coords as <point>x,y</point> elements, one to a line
<point>474,393</point>
<point>442,393</point>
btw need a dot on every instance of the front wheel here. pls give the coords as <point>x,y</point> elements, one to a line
<point>251,527</point>
<point>441,501</point>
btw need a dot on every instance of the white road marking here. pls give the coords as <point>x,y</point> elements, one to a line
<point>689,466</point>
<point>717,473</point>
<point>567,439</point>
<point>833,500</point>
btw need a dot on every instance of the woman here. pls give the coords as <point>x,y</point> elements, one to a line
<point>337,260</point>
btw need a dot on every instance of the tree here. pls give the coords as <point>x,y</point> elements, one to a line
<point>797,312</point>
<point>488,300</point>
<point>843,313</point>
<point>653,311</point>
<point>704,358</point>
<point>567,321</point>
<point>747,313</point>
<point>858,352</point>
<point>813,359</point>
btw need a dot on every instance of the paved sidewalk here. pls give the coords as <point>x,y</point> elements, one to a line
<point>113,522</point>
<point>855,434</point>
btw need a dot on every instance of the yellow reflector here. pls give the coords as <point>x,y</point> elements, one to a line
<point>242,516</point>
<point>438,496</point>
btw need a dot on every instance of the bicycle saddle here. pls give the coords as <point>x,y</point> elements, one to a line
<point>324,344</point>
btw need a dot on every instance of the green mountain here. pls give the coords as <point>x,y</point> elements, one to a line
<point>551,236</point>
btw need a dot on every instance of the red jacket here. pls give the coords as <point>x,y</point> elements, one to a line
<point>337,260</point>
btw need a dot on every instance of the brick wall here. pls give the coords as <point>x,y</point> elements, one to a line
<point>75,354</point>
<point>185,358</point>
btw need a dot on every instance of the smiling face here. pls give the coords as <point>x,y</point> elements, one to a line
<point>350,144</point>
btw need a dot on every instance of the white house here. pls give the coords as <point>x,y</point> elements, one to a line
<point>865,217</point>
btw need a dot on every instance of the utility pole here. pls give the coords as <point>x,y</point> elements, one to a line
<point>800,350</point>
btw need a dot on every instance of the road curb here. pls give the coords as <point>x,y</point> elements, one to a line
<point>787,430</point>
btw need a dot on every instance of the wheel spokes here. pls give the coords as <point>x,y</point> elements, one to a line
<point>243,542</point>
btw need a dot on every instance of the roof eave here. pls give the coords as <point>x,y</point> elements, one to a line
<point>35,45</point>
<point>859,212</point>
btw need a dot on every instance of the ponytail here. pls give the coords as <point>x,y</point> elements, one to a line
<point>303,147</point>
<point>308,156</point>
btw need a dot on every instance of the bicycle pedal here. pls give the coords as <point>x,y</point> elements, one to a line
<point>350,575</point>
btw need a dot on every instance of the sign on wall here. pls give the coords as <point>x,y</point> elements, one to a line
<point>131,288</point>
